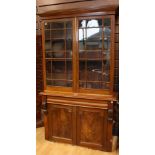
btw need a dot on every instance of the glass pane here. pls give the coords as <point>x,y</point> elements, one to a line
<point>82,23</point>
<point>106,55</point>
<point>48,69</point>
<point>48,54</point>
<point>93,33</point>
<point>82,70</point>
<point>94,71</point>
<point>94,38</point>
<point>94,45</point>
<point>47,34</point>
<point>82,84</point>
<point>47,45</point>
<point>58,70</point>
<point>68,34</point>
<point>49,82</point>
<point>57,34</point>
<point>106,76</point>
<point>105,86</point>
<point>82,54</point>
<point>68,83</point>
<point>90,23</point>
<point>106,70</point>
<point>94,54</point>
<point>69,45</point>
<point>82,38</point>
<point>58,55</point>
<point>107,43</point>
<point>68,54</point>
<point>90,38</point>
<point>69,70</point>
<point>47,25</point>
<point>68,24</point>
<point>82,45</point>
<point>59,83</point>
<point>57,25</point>
<point>107,22</point>
<point>58,45</point>
<point>106,32</point>
<point>94,85</point>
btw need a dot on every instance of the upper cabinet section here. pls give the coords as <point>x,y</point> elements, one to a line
<point>79,54</point>
<point>53,7</point>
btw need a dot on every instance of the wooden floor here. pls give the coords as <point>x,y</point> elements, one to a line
<point>44,147</point>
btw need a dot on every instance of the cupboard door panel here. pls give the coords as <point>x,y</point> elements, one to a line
<point>91,128</point>
<point>61,123</point>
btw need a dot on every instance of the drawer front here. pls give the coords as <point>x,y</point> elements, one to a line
<point>78,102</point>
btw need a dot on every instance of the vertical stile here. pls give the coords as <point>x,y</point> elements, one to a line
<point>112,53</point>
<point>86,60</point>
<point>102,49</point>
<point>51,62</point>
<point>65,40</point>
<point>44,67</point>
<point>74,55</point>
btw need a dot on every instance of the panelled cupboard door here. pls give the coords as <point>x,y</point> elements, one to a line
<point>61,123</point>
<point>91,129</point>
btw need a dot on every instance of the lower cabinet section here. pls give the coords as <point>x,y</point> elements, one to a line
<point>78,125</point>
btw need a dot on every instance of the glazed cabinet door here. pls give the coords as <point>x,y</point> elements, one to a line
<point>91,129</point>
<point>61,123</point>
<point>58,53</point>
<point>95,53</point>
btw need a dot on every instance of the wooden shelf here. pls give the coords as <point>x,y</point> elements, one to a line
<point>59,59</point>
<point>58,79</point>
<point>55,39</point>
<point>90,27</point>
<point>94,81</point>
<point>97,59</point>
<point>52,39</point>
<point>61,51</point>
<point>94,27</point>
<point>91,50</point>
<point>50,51</point>
<point>60,29</point>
